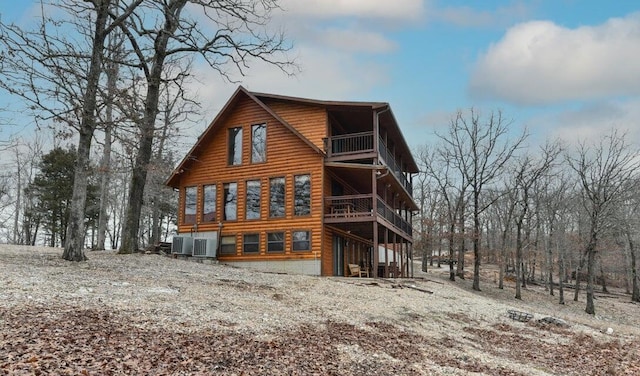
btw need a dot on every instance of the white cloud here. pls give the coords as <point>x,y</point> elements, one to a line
<point>591,122</point>
<point>356,41</point>
<point>466,16</point>
<point>330,75</point>
<point>390,10</point>
<point>540,62</point>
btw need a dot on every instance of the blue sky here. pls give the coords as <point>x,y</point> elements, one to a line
<point>562,68</point>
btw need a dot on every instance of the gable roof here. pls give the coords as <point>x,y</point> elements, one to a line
<point>219,119</point>
<point>259,99</point>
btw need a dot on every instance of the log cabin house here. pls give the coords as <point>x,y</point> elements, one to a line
<point>300,185</point>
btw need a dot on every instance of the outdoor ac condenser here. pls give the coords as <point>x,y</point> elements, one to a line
<point>206,247</point>
<point>182,245</point>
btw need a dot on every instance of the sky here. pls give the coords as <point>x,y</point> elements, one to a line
<point>563,69</point>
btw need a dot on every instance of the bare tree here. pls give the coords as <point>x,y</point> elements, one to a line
<point>479,147</point>
<point>60,80</point>
<point>438,168</point>
<point>238,36</point>
<point>528,171</point>
<point>604,171</point>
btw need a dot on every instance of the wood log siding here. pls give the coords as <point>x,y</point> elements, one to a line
<point>287,156</point>
<point>310,121</point>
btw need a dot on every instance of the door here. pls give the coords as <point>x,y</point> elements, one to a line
<point>338,255</point>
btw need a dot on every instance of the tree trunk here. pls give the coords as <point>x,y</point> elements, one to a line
<point>635,295</point>
<point>519,271</point>
<point>74,246</point>
<point>452,273</point>
<point>476,240</point>
<point>130,240</point>
<point>561,272</point>
<point>591,272</point>
<point>602,276</point>
<point>105,171</point>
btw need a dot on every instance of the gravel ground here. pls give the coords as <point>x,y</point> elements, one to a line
<point>152,314</point>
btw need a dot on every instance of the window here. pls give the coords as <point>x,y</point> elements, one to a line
<point>253,200</point>
<point>301,240</point>
<point>228,245</point>
<point>230,201</point>
<point>276,197</point>
<point>235,146</point>
<point>190,204</point>
<point>209,203</point>
<point>258,143</point>
<point>275,242</point>
<point>302,195</point>
<point>251,243</point>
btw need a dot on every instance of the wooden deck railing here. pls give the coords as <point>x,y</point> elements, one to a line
<point>353,143</point>
<point>359,143</point>
<point>361,206</point>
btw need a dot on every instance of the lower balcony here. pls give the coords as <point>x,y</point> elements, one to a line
<point>360,208</point>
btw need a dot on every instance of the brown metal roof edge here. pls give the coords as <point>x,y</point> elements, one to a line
<point>374,105</point>
<point>319,102</point>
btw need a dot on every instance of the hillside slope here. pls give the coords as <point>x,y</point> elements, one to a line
<point>150,314</point>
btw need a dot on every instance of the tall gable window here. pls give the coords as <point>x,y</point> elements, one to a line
<point>302,195</point>
<point>209,203</point>
<point>190,204</point>
<point>231,201</point>
<point>253,200</point>
<point>258,143</point>
<point>276,197</point>
<point>235,146</point>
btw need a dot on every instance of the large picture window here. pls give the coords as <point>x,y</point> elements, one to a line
<point>209,203</point>
<point>190,204</point>
<point>230,201</point>
<point>235,146</point>
<point>301,240</point>
<point>251,243</point>
<point>253,200</point>
<point>275,242</point>
<point>258,143</point>
<point>302,195</point>
<point>276,197</point>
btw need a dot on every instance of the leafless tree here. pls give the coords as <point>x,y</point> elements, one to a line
<point>528,172</point>
<point>60,78</point>
<point>439,169</point>
<point>604,170</point>
<point>227,34</point>
<point>479,148</point>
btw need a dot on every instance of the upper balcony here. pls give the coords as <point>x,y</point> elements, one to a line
<point>361,146</point>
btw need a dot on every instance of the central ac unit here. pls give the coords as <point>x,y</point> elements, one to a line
<point>182,245</point>
<point>205,247</point>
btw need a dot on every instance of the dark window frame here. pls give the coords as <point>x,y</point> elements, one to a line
<point>274,212</point>
<point>247,201</point>
<point>190,218</point>
<point>275,246</point>
<point>255,244</point>
<point>225,193</point>
<point>307,241</point>
<point>234,146</point>
<point>301,210</point>
<point>258,156</point>
<point>225,248</point>
<point>209,216</point>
